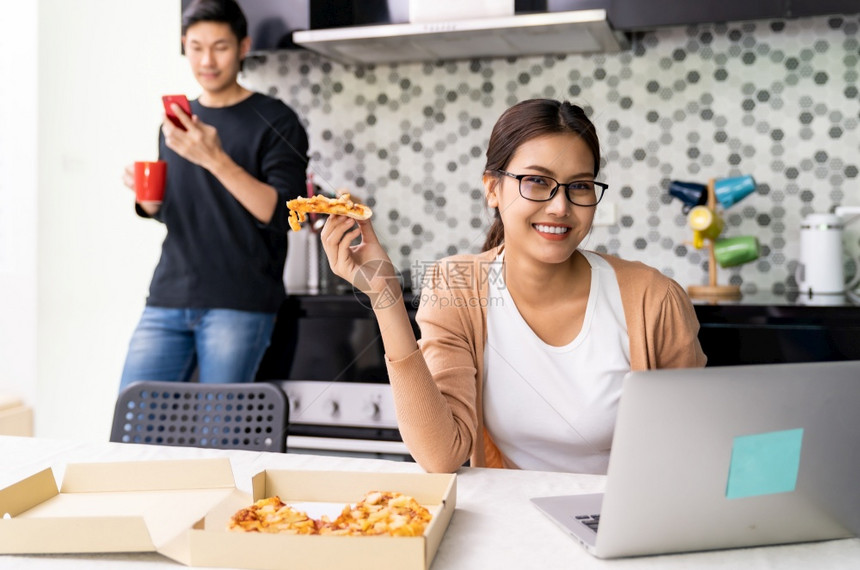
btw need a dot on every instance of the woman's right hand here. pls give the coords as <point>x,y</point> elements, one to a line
<point>366,266</point>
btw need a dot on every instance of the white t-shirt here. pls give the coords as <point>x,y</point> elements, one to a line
<point>553,408</point>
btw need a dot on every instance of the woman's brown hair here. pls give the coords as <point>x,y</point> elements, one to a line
<point>525,121</point>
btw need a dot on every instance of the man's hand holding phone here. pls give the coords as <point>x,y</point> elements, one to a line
<point>188,136</point>
<point>180,101</point>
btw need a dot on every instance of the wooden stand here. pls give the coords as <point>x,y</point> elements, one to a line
<point>712,290</point>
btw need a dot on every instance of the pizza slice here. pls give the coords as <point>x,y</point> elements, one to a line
<point>272,515</point>
<point>381,512</point>
<point>343,205</point>
<point>377,513</point>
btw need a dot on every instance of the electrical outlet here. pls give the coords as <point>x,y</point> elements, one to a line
<point>605,215</point>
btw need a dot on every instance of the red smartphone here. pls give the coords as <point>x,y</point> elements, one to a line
<point>183,103</point>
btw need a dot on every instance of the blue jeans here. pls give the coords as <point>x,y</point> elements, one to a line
<point>224,345</point>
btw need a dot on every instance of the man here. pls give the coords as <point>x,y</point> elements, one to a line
<point>219,282</point>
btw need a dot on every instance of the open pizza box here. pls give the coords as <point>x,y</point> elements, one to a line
<point>181,510</point>
<point>110,507</point>
<point>210,544</point>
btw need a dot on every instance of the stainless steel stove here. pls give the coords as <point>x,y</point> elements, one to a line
<point>327,356</point>
<point>352,418</point>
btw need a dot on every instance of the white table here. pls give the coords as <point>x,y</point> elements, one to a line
<point>494,525</point>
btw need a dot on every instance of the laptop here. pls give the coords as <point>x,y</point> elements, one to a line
<point>725,457</point>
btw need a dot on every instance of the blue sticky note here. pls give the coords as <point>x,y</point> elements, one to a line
<point>764,463</point>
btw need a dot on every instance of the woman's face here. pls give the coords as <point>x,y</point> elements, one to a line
<point>548,232</point>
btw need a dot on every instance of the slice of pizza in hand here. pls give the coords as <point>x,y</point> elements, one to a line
<point>343,205</point>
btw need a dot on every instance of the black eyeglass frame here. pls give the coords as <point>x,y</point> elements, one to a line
<point>519,178</point>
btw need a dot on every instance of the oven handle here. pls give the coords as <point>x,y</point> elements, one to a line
<point>340,444</point>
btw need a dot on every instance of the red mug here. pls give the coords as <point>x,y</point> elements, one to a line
<point>149,178</point>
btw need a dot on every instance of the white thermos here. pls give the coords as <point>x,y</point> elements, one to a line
<point>302,268</point>
<point>821,269</point>
<point>297,267</point>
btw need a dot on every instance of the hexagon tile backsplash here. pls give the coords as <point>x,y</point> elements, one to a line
<point>774,99</point>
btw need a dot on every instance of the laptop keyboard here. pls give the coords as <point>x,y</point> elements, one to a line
<point>591,521</point>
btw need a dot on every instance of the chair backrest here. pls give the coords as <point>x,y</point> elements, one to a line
<point>251,416</point>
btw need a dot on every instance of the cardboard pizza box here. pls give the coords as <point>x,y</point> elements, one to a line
<point>16,418</point>
<point>9,401</point>
<point>209,543</point>
<point>180,509</point>
<point>110,507</point>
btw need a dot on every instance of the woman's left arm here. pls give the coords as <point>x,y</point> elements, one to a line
<point>676,332</point>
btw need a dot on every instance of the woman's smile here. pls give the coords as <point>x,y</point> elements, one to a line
<point>552,231</point>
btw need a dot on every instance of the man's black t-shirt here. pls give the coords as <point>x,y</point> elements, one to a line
<point>216,255</point>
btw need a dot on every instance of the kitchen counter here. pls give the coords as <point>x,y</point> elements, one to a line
<point>763,328</point>
<point>756,329</point>
<point>790,298</point>
<point>774,309</point>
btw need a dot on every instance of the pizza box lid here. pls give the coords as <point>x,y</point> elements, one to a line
<point>110,507</point>
<point>16,420</point>
<point>9,401</point>
<point>209,543</point>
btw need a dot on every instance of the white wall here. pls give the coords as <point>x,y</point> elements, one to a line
<point>102,66</point>
<point>18,203</point>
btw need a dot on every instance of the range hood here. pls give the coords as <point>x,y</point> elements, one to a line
<point>577,31</point>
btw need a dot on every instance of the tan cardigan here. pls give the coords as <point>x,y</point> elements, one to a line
<point>437,389</point>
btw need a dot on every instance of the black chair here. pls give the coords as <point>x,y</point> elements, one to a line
<point>252,416</point>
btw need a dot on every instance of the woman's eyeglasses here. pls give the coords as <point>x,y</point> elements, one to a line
<point>536,188</point>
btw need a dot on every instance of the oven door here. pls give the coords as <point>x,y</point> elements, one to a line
<point>327,355</point>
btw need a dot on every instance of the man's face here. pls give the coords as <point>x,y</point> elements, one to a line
<point>215,54</point>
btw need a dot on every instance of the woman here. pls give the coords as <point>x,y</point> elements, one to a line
<point>524,346</point>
